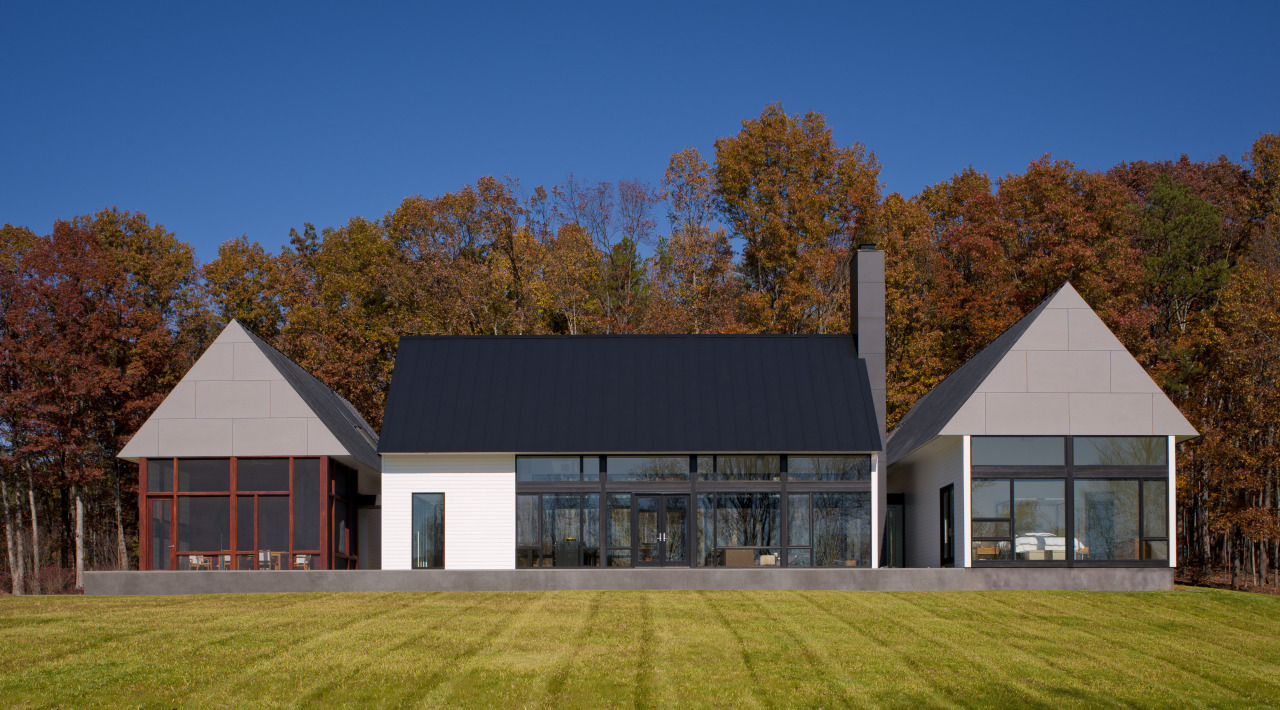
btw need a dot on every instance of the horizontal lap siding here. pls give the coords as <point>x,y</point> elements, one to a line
<point>479,507</point>
<point>921,477</point>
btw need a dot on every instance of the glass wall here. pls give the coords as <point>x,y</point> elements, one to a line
<point>1068,500</point>
<point>428,531</point>
<point>729,510</point>
<point>246,513</point>
<point>559,530</point>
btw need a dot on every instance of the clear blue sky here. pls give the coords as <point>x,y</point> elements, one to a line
<point>222,119</point>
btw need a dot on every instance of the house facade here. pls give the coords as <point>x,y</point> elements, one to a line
<point>251,463</point>
<point>1050,448</point>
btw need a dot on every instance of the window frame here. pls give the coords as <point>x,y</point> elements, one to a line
<point>1070,473</point>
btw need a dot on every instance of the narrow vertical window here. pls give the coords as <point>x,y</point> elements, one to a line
<point>428,530</point>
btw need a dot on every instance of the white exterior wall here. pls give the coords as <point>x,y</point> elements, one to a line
<point>920,477</point>
<point>479,507</point>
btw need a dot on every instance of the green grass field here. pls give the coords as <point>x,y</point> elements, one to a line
<point>1186,648</point>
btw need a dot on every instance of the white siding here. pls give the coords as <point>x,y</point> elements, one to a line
<point>479,507</point>
<point>370,543</point>
<point>920,477</point>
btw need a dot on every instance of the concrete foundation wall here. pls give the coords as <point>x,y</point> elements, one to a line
<point>888,580</point>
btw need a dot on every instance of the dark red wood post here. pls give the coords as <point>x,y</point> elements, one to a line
<point>144,520</point>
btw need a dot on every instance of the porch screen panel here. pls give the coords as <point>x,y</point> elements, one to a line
<point>306,504</point>
<point>204,523</point>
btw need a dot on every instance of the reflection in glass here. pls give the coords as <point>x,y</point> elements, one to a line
<point>160,475</point>
<point>990,498</point>
<point>262,474</point>
<point>1017,451</point>
<point>798,519</point>
<point>841,529</point>
<point>829,468</point>
<point>748,468</point>
<point>620,520</point>
<point>1155,509</point>
<point>799,557</point>
<point>1106,518</point>
<point>526,521</point>
<point>646,528</point>
<point>648,468</point>
<point>204,475</point>
<point>747,519</point>
<point>1039,519</point>
<point>619,558</point>
<point>989,528</point>
<point>1120,451</point>
<point>428,530</point>
<point>992,550</point>
<point>1155,550</point>
<point>562,529</point>
<point>549,468</point>
<point>590,468</point>
<point>591,520</point>
<point>677,524</point>
<point>705,533</point>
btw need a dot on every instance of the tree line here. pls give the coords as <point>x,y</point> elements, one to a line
<point>102,316</point>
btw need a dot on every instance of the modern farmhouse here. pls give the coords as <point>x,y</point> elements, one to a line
<point>1051,448</point>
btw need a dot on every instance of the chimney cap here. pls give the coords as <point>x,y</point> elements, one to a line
<point>867,246</point>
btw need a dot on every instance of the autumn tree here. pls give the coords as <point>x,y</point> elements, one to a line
<point>244,283</point>
<point>799,202</point>
<point>695,287</point>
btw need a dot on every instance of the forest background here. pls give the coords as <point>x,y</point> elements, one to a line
<point>100,317</point>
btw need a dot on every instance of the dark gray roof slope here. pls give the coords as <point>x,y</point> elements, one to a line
<point>629,393</point>
<point>342,419</point>
<point>932,411</point>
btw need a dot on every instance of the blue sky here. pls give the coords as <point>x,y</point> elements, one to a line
<point>222,119</point>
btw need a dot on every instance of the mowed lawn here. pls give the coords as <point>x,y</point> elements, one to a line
<point>1185,648</point>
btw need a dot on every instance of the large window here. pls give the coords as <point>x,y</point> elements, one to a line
<point>558,530</point>
<point>647,468</point>
<point>428,531</point>
<point>728,510</point>
<point>1069,500</point>
<point>245,513</point>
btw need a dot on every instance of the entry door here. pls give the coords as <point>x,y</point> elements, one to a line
<point>947,525</point>
<point>662,530</point>
<point>162,529</point>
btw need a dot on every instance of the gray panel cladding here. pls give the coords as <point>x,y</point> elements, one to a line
<point>629,393</point>
<point>932,411</point>
<point>337,414</point>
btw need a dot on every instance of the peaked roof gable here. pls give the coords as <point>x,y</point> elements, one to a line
<point>1058,370</point>
<point>931,412</point>
<point>242,397</point>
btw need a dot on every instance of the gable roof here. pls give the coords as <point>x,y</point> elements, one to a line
<point>1058,371</point>
<point>629,394</point>
<point>931,412</point>
<point>242,397</point>
<point>339,415</point>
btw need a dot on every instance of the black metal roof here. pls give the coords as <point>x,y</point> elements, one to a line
<point>339,415</point>
<point>629,393</point>
<point>932,411</point>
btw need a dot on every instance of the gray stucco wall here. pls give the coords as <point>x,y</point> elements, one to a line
<point>1109,579</point>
